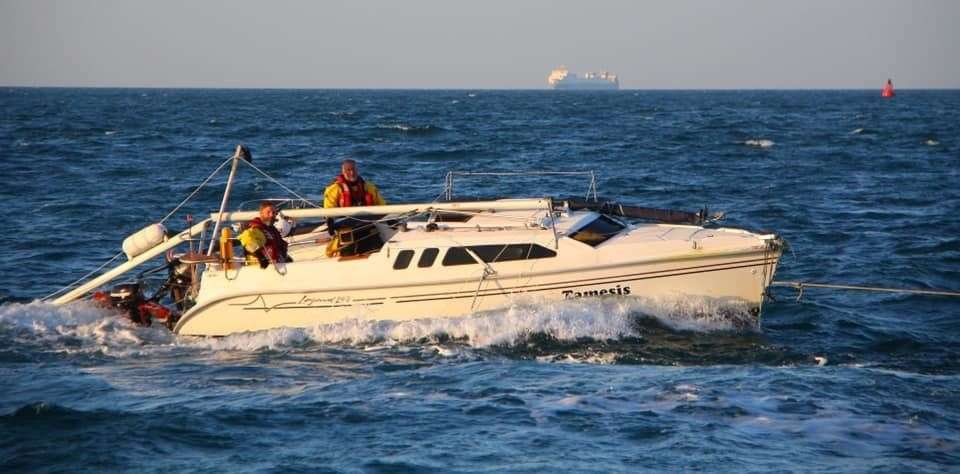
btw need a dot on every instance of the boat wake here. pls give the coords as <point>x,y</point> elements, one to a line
<point>534,329</point>
<point>79,328</point>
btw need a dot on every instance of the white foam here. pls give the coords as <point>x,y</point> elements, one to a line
<point>81,327</point>
<point>856,131</point>
<point>43,317</point>
<point>85,327</point>
<point>760,143</point>
<point>397,126</point>
<point>561,321</point>
<point>596,358</point>
<point>570,400</point>
<point>932,142</point>
<point>566,320</point>
<point>253,341</point>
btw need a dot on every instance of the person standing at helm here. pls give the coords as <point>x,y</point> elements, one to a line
<point>262,242</point>
<point>349,189</point>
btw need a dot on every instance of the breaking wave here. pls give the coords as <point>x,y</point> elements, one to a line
<point>759,143</point>
<point>85,328</point>
<point>79,328</point>
<point>597,320</point>
<point>408,129</point>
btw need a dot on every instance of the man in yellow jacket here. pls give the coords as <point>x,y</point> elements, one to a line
<point>262,242</point>
<point>349,190</point>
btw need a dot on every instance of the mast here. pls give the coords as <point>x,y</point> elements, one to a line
<point>241,153</point>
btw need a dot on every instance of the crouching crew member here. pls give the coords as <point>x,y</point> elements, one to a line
<point>348,189</point>
<point>262,242</point>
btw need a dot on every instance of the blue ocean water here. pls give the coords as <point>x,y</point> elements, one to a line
<point>866,191</point>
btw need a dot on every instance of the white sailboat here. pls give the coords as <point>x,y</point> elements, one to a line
<point>449,259</point>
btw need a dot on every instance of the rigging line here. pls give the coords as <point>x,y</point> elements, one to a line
<point>195,191</point>
<point>278,183</point>
<point>800,285</point>
<point>169,214</point>
<point>95,270</point>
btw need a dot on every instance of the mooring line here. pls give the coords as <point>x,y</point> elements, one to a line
<point>801,285</point>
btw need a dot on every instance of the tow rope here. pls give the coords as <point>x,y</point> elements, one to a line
<point>801,285</point>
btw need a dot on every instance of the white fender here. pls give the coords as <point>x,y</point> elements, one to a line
<point>144,239</point>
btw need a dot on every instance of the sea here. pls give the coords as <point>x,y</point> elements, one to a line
<point>865,190</point>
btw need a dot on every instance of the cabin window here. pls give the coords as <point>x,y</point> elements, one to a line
<point>538,251</point>
<point>496,253</point>
<point>509,253</point>
<point>457,256</point>
<point>403,259</point>
<point>427,258</point>
<point>597,232</point>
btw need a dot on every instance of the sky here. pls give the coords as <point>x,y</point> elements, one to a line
<point>490,44</point>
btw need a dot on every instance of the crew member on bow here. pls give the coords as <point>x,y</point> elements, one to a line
<point>350,190</point>
<point>262,242</point>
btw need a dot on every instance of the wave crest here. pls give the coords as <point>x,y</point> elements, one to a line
<point>600,320</point>
<point>759,143</point>
<point>86,328</point>
<point>408,129</point>
<point>81,327</point>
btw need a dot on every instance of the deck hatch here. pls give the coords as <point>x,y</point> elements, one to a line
<point>598,231</point>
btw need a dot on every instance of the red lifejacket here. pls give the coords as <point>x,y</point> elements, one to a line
<point>275,246</point>
<point>353,194</point>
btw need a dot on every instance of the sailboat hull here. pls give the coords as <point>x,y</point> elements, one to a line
<point>733,281</point>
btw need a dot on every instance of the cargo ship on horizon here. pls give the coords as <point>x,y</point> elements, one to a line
<point>563,79</point>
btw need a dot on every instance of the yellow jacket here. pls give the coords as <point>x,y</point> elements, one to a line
<point>331,195</point>
<point>252,239</point>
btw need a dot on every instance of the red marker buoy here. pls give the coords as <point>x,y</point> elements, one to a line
<point>888,90</point>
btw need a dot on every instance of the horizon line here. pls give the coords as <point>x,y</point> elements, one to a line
<point>501,89</point>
